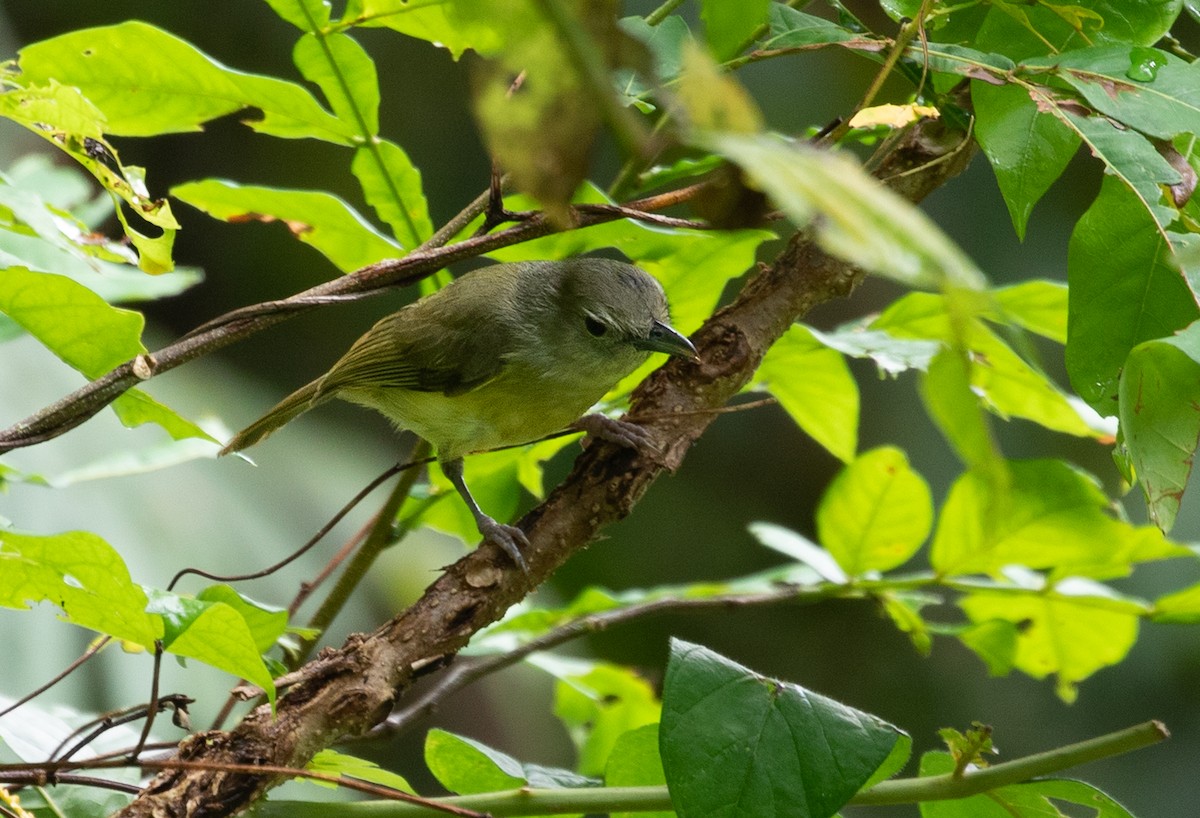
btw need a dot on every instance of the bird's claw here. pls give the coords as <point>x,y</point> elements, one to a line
<point>510,539</point>
<point>622,432</point>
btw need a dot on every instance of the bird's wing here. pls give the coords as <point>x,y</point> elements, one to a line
<point>453,351</point>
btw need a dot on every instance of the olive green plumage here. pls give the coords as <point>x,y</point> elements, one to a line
<point>503,355</point>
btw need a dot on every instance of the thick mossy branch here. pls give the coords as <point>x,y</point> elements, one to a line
<point>346,691</point>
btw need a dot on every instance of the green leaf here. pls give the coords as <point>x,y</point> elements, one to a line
<point>1038,306</point>
<point>791,28</point>
<point>1180,607</point>
<point>433,20</point>
<point>392,185</point>
<point>1033,799</point>
<point>306,15</point>
<point>135,407</point>
<point>465,766</point>
<point>1160,418</point>
<point>1125,289</point>
<point>635,762</point>
<point>875,513</point>
<point>70,320</point>
<point>995,642</point>
<point>1050,516</point>
<point>1163,103</point>
<point>318,219</point>
<point>733,741</point>
<point>904,609</point>
<point>214,633</point>
<point>729,23</point>
<point>860,221</point>
<point>1071,629</point>
<point>346,75</point>
<point>815,386</point>
<point>266,623</point>
<point>600,705</point>
<point>331,762</point>
<point>1027,149</point>
<point>81,574</point>
<point>149,82</point>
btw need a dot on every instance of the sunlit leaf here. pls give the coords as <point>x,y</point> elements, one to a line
<point>318,219</point>
<point>875,513</point>
<point>81,574</point>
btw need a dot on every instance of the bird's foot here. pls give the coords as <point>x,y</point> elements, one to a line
<point>510,539</point>
<point>622,432</point>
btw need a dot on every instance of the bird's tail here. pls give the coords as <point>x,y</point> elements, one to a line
<point>295,404</point>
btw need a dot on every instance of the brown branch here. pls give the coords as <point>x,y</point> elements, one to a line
<point>348,690</point>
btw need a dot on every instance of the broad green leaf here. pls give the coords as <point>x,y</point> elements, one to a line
<point>1125,289</point>
<point>599,706</point>
<point>346,75</point>
<point>1028,150</point>
<point>875,513</point>
<point>306,15</point>
<point>332,762</point>
<point>149,82</point>
<point>1038,306</point>
<point>70,320</point>
<point>860,221</point>
<point>1163,102</point>
<point>135,407</point>
<point>1071,629</point>
<point>213,633</point>
<point>318,219</point>
<point>1050,517</point>
<point>431,20</point>
<point>791,28</point>
<point>1160,418</point>
<point>635,762</point>
<point>665,42</point>
<point>1034,799</point>
<point>729,23</point>
<point>1009,386</point>
<point>266,624</point>
<point>81,574</point>
<point>814,384</point>
<point>465,766</point>
<point>392,185</point>
<point>733,741</point>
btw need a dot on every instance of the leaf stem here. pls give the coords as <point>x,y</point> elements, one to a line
<point>657,799</point>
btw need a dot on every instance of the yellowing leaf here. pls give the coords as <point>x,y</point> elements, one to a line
<point>892,116</point>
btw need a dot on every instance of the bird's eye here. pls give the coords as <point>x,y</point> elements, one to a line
<point>594,327</point>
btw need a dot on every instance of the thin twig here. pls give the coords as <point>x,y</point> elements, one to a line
<point>91,651</point>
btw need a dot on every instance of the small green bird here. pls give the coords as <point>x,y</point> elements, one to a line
<point>504,355</point>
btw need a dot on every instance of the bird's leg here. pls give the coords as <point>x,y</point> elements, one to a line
<point>621,432</point>
<point>508,537</point>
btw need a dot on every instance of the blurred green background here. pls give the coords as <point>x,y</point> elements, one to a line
<point>228,517</point>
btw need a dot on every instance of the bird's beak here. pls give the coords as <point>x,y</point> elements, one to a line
<point>665,338</point>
